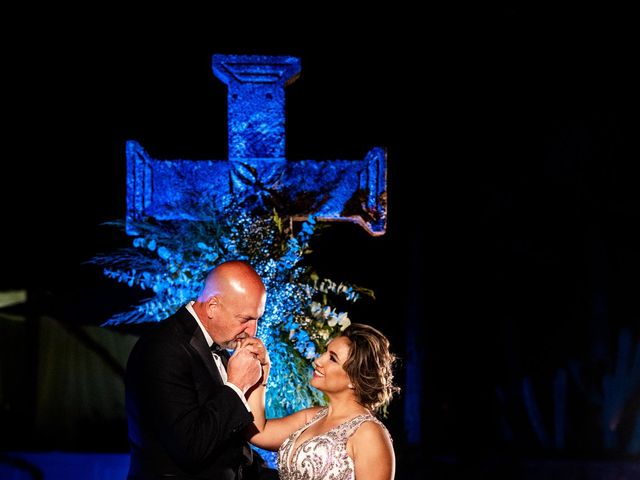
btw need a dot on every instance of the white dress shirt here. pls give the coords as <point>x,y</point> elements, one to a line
<point>216,357</point>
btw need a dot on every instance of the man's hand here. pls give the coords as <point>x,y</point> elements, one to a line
<point>243,369</point>
<point>256,347</point>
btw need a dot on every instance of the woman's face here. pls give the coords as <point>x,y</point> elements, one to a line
<point>329,375</point>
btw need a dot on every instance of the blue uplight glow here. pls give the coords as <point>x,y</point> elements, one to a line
<point>243,209</point>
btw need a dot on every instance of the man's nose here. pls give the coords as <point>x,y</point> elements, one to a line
<point>252,328</point>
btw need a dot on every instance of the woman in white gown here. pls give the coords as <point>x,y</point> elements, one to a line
<point>343,440</point>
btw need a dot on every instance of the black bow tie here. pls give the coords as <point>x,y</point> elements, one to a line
<point>221,352</point>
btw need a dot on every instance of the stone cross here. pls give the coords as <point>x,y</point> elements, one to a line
<point>332,190</point>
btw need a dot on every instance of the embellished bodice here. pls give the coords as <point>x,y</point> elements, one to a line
<point>323,456</point>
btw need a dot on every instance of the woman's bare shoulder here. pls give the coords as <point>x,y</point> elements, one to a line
<point>372,431</point>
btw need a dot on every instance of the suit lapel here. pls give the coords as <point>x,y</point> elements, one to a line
<point>198,342</point>
<point>203,350</point>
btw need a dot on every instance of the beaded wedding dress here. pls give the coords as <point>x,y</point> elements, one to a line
<point>323,457</point>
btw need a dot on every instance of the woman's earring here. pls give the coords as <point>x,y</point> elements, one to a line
<point>350,386</point>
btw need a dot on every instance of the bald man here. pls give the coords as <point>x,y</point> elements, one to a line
<point>186,399</point>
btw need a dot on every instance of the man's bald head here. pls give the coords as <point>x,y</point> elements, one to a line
<point>231,302</point>
<point>232,277</point>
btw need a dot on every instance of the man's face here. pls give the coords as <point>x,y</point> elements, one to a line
<point>235,316</point>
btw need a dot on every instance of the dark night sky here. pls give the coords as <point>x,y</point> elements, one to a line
<point>521,124</point>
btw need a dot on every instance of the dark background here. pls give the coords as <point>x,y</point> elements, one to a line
<point>512,245</point>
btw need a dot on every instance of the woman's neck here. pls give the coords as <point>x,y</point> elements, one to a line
<point>344,407</point>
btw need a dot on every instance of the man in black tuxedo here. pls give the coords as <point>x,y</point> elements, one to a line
<point>185,397</point>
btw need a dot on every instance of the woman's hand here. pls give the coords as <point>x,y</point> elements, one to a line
<point>255,346</point>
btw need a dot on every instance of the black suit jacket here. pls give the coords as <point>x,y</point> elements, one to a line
<point>183,421</point>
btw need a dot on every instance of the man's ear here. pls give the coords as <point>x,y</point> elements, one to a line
<point>212,304</point>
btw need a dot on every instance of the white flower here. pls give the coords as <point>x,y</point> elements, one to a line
<point>315,308</point>
<point>343,321</point>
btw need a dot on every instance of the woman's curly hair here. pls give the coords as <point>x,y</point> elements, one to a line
<point>370,366</point>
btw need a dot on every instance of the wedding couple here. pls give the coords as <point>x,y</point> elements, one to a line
<point>193,409</point>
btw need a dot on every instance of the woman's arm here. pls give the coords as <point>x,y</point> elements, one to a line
<point>372,452</point>
<point>269,434</point>
<point>255,399</point>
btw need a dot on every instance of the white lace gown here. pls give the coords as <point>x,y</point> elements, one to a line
<point>323,457</point>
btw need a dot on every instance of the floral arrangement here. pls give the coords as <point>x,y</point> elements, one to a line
<point>170,260</point>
